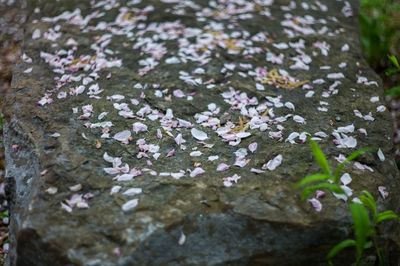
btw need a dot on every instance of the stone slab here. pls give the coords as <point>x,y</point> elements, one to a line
<point>158,69</point>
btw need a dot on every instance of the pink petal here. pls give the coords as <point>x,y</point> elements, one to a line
<point>139,127</point>
<point>197,171</point>
<point>222,167</point>
<point>179,139</point>
<point>316,204</point>
<point>171,153</point>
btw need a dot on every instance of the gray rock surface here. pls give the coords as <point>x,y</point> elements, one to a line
<point>213,65</point>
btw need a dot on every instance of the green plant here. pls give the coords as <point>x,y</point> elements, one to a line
<point>366,218</point>
<point>395,69</point>
<point>4,214</point>
<point>379,25</point>
<point>328,179</point>
<point>396,66</point>
<point>365,215</point>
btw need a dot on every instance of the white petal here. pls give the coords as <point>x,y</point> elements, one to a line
<point>124,177</point>
<point>340,196</point>
<point>182,239</point>
<point>350,142</point>
<point>178,175</point>
<point>213,158</point>
<point>346,129</point>
<point>381,108</point>
<point>381,155</point>
<point>52,190</point>
<point>197,171</point>
<point>111,170</point>
<point>139,127</point>
<point>36,34</point>
<point>345,179</point>
<point>292,136</point>
<point>115,189</point>
<point>242,135</point>
<point>179,139</point>
<point>299,119</point>
<point>257,171</point>
<point>274,163</point>
<point>66,207</point>
<point>129,205</point>
<point>289,105</point>
<point>198,134</point>
<point>28,70</point>
<point>382,191</point>
<point>348,191</point>
<point>132,191</point>
<point>195,153</point>
<point>122,136</point>
<point>108,158</point>
<point>253,147</point>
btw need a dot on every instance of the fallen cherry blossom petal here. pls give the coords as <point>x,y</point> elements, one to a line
<point>182,239</point>
<point>129,205</point>
<point>139,127</point>
<point>381,156</point>
<point>197,171</point>
<point>123,136</point>
<point>132,191</point>
<point>316,204</point>
<point>382,191</point>
<point>345,179</point>
<point>274,163</point>
<point>198,134</point>
<point>257,171</point>
<point>253,147</point>
<point>222,167</point>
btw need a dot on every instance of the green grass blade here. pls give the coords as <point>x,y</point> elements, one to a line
<point>368,200</point>
<point>392,71</point>
<point>381,257</point>
<point>321,186</point>
<point>4,214</point>
<point>394,61</point>
<point>386,216</point>
<point>362,227</point>
<point>395,91</point>
<point>320,157</point>
<point>311,179</point>
<point>339,247</point>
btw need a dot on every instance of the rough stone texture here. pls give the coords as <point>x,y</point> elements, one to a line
<point>258,221</point>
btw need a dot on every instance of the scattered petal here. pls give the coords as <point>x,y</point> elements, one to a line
<point>129,205</point>
<point>253,147</point>
<point>316,204</point>
<point>197,171</point>
<point>182,239</point>
<point>274,163</point>
<point>198,134</point>
<point>381,156</point>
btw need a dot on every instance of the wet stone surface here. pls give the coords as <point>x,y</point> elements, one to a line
<point>171,132</point>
